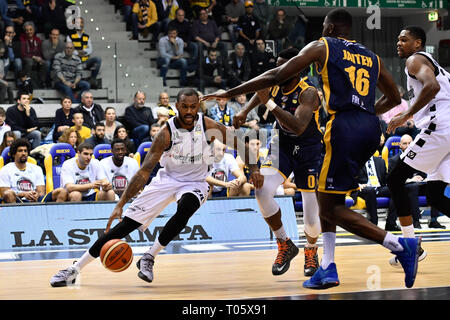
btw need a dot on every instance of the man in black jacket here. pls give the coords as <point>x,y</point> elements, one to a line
<point>93,113</point>
<point>237,66</point>
<point>139,118</point>
<point>23,121</point>
<point>212,71</point>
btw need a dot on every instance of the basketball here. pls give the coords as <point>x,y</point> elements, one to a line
<point>116,255</point>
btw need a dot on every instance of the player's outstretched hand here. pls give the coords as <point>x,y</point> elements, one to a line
<point>214,96</point>
<point>397,121</point>
<point>239,119</point>
<point>116,214</point>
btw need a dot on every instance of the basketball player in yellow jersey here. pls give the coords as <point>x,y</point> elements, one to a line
<point>350,74</point>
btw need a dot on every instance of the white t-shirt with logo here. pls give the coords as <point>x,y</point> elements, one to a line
<point>71,173</point>
<point>221,170</point>
<point>21,180</point>
<point>119,177</point>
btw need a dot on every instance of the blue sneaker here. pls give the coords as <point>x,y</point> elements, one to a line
<point>409,258</point>
<point>323,279</point>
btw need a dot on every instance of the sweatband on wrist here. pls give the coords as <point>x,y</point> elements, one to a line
<point>271,105</point>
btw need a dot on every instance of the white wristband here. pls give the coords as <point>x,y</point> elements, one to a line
<point>271,105</point>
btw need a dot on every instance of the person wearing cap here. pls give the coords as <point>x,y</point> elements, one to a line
<point>248,27</point>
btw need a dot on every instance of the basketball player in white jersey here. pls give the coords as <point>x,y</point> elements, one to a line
<point>182,147</point>
<point>428,86</point>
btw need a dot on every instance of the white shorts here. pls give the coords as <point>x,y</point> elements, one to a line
<point>159,194</point>
<point>430,153</point>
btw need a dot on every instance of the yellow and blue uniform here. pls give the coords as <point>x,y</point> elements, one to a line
<point>348,78</point>
<point>291,153</point>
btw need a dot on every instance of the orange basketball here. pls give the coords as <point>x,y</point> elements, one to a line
<point>116,255</point>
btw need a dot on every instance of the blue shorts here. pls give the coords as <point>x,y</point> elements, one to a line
<point>351,138</point>
<point>221,193</point>
<point>304,161</point>
<point>92,197</point>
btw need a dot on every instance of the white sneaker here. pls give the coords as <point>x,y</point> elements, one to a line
<point>396,264</point>
<point>145,266</point>
<point>65,277</point>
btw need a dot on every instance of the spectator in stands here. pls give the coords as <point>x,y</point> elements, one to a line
<point>162,115</point>
<point>139,118</point>
<point>171,50</point>
<point>93,113</point>
<point>127,6</point>
<point>63,118</point>
<point>21,181</point>
<point>72,137</point>
<point>164,102</point>
<point>279,29</point>
<point>119,169</point>
<point>198,5</point>
<point>110,122</point>
<point>50,47</point>
<point>144,18</point>
<point>53,16</point>
<point>184,29</point>
<point>222,112</point>
<point>260,59</point>
<point>223,167</point>
<point>11,57</point>
<point>67,69</point>
<point>4,127</point>
<point>83,49</point>
<point>98,135</point>
<point>233,11</point>
<point>81,175</point>
<point>237,66</point>
<point>78,119</point>
<point>154,129</point>
<point>7,139</point>
<point>207,34</point>
<point>26,84</point>
<point>252,118</point>
<point>5,88</point>
<point>15,19</point>
<point>122,133</point>
<point>212,71</point>
<point>23,121</point>
<point>248,27</point>
<point>31,55</point>
<point>166,10</point>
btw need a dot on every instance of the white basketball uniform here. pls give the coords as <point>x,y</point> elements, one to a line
<point>71,173</point>
<point>119,177</point>
<point>184,170</point>
<point>21,180</point>
<point>430,150</point>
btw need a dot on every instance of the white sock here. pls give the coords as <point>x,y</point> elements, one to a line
<point>408,231</point>
<point>329,243</point>
<point>156,248</point>
<point>391,242</point>
<point>85,259</point>
<point>281,234</point>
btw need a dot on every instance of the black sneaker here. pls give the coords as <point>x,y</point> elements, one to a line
<point>392,228</point>
<point>287,251</point>
<point>435,224</point>
<point>311,261</point>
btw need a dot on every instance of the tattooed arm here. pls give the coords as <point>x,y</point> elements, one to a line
<point>137,182</point>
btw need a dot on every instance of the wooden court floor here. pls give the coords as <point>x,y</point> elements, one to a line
<point>221,275</point>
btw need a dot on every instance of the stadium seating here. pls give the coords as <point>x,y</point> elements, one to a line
<point>5,158</point>
<point>391,146</point>
<point>102,151</point>
<point>141,152</point>
<point>53,162</point>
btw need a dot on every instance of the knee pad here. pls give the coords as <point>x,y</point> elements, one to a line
<point>311,214</point>
<point>264,196</point>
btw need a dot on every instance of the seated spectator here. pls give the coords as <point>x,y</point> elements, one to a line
<point>171,50</point>
<point>11,57</point>
<point>93,113</point>
<point>212,71</point>
<point>78,119</point>
<point>144,19</point>
<point>72,137</point>
<point>260,59</point>
<point>122,133</point>
<point>50,47</point>
<point>26,84</point>
<point>222,112</point>
<point>31,55</point>
<point>166,10</point>
<point>4,127</point>
<point>206,33</point>
<point>138,118</point>
<point>279,29</point>
<point>67,69</point>
<point>83,49</point>
<point>184,29</point>
<point>110,122</point>
<point>8,138</point>
<point>162,115</point>
<point>10,18</point>
<point>119,169</point>
<point>127,6</point>
<point>53,16</point>
<point>233,10</point>
<point>252,116</point>
<point>81,176</point>
<point>63,118</point>
<point>261,12</point>
<point>223,167</point>
<point>164,102</point>
<point>5,88</point>
<point>248,28</point>
<point>237,66</point>
<point>98,136</point>
<point>154,129</point>
<point>254,146</point>
<point>21,181</point>
<point>23,121</point>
